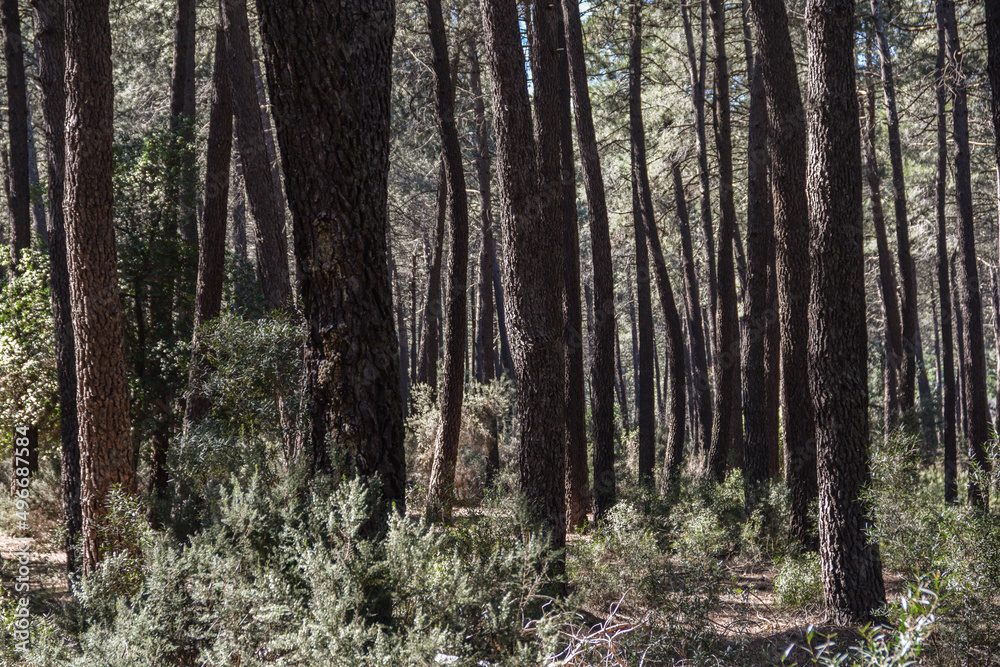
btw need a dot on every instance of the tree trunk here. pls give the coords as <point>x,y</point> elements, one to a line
<point>532,270</point>
<point>791,232</point>
<point>50,38</point>
<point>440,495</point>
<point>702,396</point>
<point>622,394</point>
<point>886,277</point>
<point>907,270</point>
<point>974,376</point>
<point>267,212</point>
<point>19,195</point>
<point>635,340</point>
<point>432,303</point>
<point>337,191</point>
<point>602,372</point>
<point>34,183</point>
<point>838,350</point>
<point>727,423</point>
<point>106,453</point>
<point>212,251</point>
<point>182,119</point>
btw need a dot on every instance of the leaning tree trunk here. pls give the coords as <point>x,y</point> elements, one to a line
<point>727,423</point>
<point>337,186</point>
<point>532,267</point>
<point>267,212</point>
<point>440,495</point>
<point>50,37</point>
<point>106,454</point>
<point>791,233</point>
<point>838,348</point>
<point>974,376</point>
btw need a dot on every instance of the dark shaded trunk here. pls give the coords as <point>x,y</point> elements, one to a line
<point>974,370</point>
<point>182,119</point>
<point>267,212</point>
<point>622,393</point>
<point>49,36</point>
<point>440,495</point>
<point>702,395</point>
<point>907,270</point>
<point>106,453</point>
<point>337,192</point>
<point>645,387</point>
<point>404,346</point>
<point>727,425</point>
<point>38,217</point>
<point>19,192</point>
<point>432,303</point>
<point>635,338</point>
<point>791,231</point>
<point>838,347</point>
<point>212,251</point>
<point>886,276</point>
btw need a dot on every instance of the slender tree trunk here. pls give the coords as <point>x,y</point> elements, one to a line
<point>440,496</point>
<point>267,212</point>
<point>635,340</point>
<point>886,276</point>
<point>944,283</point>
<point>404,346</point>
<point>50,37</point>
<point>838,350</point>
<point>532,268</point>
<point>34,183</point>
<point>620,390</point>
<point>974,376</point>
<point>956,309</point>
<point>19,196</point>
<point>506,361</point>
<point>907,270</point>
<point>727,423</point>
<point>106,453</point>
<point>182,119</point>
<point>337,191</point>
<point>212,251</point>
<point>791,232</point>
<point>432,303</point>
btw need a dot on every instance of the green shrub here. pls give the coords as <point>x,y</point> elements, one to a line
<point>798,581</point>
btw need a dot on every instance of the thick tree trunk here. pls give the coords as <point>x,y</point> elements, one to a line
<point>532,270</point>
<point>440,496</point>
<point>907,270</point>
<point>337,191</point>
<point>791,232</point>
<point>106,453</point>
<point>645,387</point>
<point>886,276</point>
<point>974,375</point>
<point>50,37</point>
<point>212,250</point>
<point>267,212</point>
<point>838,350</point>
<point>702,395</point>
<point>727,429</point>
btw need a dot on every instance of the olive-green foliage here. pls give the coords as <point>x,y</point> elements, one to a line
<point>798,581</point>
<point>284,576</point>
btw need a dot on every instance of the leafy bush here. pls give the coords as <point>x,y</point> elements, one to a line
<point>798,581</point>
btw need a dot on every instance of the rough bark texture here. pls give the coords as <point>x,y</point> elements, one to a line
<point>702,394</point>
<point>266,211</point>
<point>212,249</point>
<point>760,256</point>
<point>838,347</point>
<point>886,276</point>
<point>532,269</point>
<point>949,435</point>
<point>49,36</point>
<point>645,387</point>
<point>106,454</point>
<point>182,118</point>
<point>974,368</point>
<point>726,423</point>
<point>432,302</point>
<point>332,118</point>
<point>993,72</point>
<point>19,194</point>
<point>907,270</point>
<point>440,496</point>
<point>791,232</point>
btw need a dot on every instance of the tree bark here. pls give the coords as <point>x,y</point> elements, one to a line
<point>267,212</point>
<point>838,350</point>
<point>106,453</point>
<point>440,496</point>
<point>974,376</point>
<point>50,38</point>
<point>532,270</point>
<point>332,118</point>
<point>212,249</point>
<point>791,231</point>
<point>727,423</point>
<point>19,195</point>
<point>432,303</point>
<point>182,119</point>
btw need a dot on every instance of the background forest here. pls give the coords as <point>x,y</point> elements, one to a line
<point>484,332</point>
